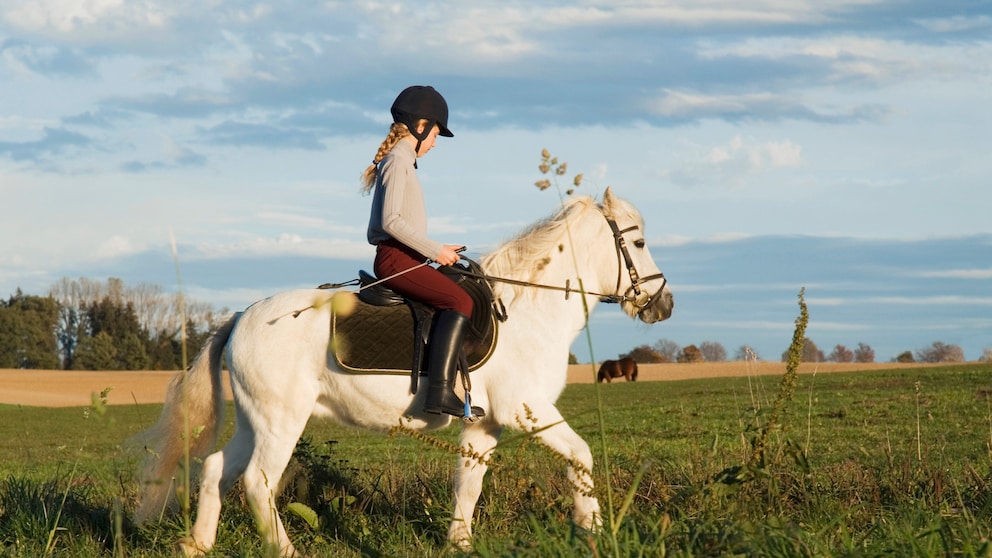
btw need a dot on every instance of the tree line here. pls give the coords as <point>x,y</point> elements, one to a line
<point>84,324</point>
<point>666,350</point>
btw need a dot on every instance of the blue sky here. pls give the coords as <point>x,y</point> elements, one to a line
<point>841,146</point>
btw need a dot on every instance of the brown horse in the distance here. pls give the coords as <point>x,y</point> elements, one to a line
<point>625,367</point>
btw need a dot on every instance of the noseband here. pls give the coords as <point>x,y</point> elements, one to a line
<point>623,258</point>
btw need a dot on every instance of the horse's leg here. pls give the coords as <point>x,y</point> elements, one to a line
<point>273,449</point>
<point>564,441</point>
<point>477,443</point>
<point>220,471</point>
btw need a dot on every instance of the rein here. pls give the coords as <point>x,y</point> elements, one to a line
<point>567,289</point>
<point>623,259</point>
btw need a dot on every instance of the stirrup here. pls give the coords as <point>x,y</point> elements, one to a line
<point>470,417</point>
<point>463,410</point>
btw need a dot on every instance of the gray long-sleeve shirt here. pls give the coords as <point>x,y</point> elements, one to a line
<point>398,209</point>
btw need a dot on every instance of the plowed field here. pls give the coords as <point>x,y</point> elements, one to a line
<point>61,388</point>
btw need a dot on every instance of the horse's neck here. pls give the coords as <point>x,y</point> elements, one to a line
<point>555,312</point>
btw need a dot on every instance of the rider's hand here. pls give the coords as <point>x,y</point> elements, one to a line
<point>449,254</point>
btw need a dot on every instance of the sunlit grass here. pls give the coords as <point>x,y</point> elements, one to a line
<point>865,486</point>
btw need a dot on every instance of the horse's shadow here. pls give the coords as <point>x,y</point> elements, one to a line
<point>348,504</point>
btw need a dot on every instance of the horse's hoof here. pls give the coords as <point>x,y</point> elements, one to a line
<point>463,544</point>
<point>189,548</point>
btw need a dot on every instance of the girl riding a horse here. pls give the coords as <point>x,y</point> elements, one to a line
<point>398,229</point>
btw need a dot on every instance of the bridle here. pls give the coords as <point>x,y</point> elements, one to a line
<point>623,259</point>
<point>635,279</point>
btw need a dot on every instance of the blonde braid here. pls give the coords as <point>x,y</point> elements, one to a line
<point>397,132</point>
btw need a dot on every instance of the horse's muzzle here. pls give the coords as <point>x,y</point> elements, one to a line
<point>658,308</point>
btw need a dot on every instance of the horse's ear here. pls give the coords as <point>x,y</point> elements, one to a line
<point>608,200</point>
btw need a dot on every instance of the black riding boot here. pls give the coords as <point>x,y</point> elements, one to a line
<point>442,365</point>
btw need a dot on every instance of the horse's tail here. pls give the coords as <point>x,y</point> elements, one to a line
<point>188,426</point>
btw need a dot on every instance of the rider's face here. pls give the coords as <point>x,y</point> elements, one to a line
<point>428,142</point>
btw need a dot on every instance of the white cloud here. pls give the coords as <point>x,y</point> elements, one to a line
<point>958,325</point>
<point>826,301</point>
<point>446,225</point>
<point>742,324</point>
<point>180,154</point>
<point>295,221</point>
<point>283,245</point>
<point>856,57</point>
<point>682,240</point>
<point>957,274</point>
<point>672,240</point>
<point>782,154</point>
<point>732,162</point>
<point>115,247</point>
<point>65,16</point>
<point>681,104</point>
<point>233,298</point>
<point>958,23</point>
<point>837,326</point>
<point>941,300</point>
<point>935,300</point>
<point>702,13</point>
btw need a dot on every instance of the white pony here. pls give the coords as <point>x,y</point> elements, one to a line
<point>281,375</point>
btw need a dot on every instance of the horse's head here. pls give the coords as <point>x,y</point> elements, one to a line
<point>641,288</point>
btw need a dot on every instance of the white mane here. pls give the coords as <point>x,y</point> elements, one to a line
<point>524,257</point>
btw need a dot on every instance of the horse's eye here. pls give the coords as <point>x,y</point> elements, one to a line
<point>639,243</point>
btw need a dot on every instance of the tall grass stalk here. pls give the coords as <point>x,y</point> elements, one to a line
<point>50,543</point>
<point>809,416</point>
<point>786,387</point>
<point>750,364</point>
<point>988,404</point>
<point>118,548</point>
<point>185,486</point>
<point>549,163</point>
<point>919,441</point>
<point>97,408</point>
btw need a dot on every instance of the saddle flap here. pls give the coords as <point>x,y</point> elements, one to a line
<point>472,282</point>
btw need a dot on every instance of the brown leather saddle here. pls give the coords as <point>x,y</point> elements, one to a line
<point>387,333</point>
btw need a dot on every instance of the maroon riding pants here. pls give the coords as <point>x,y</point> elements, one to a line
<point>424,284</point>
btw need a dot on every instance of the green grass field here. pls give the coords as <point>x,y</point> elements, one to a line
<point>893,463</point>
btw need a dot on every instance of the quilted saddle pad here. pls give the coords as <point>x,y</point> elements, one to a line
<point>379,340</point>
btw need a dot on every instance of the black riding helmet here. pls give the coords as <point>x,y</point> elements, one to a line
<point>421,102</point>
